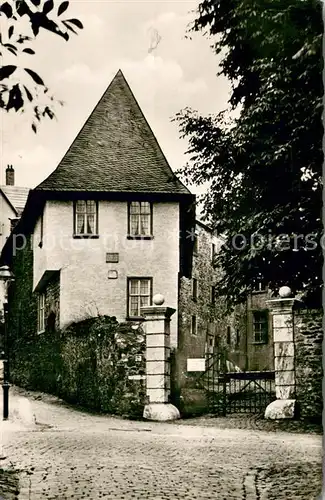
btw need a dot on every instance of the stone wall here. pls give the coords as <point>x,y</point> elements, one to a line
<point>89,364</point>
<point>22,301</point>
<point>308,334</point>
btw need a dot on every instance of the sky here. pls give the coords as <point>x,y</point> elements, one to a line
<point>116,35</point>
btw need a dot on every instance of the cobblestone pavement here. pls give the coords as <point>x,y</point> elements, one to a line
<point>72,454</point>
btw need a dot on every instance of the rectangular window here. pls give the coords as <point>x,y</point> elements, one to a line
<point>237,337</point>
<point>196,244</point>
<point>228,335</point>
<point>213,295</point>
<point>139,295</point>
<point>213,253</point>
<point>41,313</point>
<point>194,289</point>
<point>260,326</point>
<point>193,325</point>
<point>140,219</point>
<point>86,218</point>
<point>41,231</point>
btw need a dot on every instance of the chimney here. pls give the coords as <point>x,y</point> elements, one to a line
<point>10,176</point>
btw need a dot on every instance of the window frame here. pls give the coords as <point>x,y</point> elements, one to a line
<point>85,235</point>
<point>196,244</point>
<point>195,287</point>
<point>228,335</point>
<point>139,236</point>
<point>237,338</point>
<point>194,323</point>
<point>41,300</point>
<point>263,336</point>
<point>139,278</point>
<point>213,295</point>
<point>213,254</point>
<point>40,244</point>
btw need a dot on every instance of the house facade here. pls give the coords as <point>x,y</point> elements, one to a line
<point>107,230</point>
<point>246,333</point>
<point>249,335</point>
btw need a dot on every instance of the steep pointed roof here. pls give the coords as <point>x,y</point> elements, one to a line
<point>115,151</point>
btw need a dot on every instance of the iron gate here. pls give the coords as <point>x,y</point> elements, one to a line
<point>229,391</point>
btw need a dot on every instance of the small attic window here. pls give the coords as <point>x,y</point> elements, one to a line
<point>13,223</point>
<point>85,218</point>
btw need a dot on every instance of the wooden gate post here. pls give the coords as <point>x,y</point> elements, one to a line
<point>157,331</point>
<point>284,356</point>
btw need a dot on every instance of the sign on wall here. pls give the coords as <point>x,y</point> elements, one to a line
<point>112,257</point>
<point>196,364</point>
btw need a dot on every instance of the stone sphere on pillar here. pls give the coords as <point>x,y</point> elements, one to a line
<point>158,299</point>
<point>285,292</point>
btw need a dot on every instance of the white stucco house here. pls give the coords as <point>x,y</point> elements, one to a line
<point>108,229</point>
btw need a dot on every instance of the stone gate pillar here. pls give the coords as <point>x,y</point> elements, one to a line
<point>157,330</point>
<point>284,356</point>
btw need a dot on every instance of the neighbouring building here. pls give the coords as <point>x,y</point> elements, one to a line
<point>246,333</point>
<point>249,334</point>
<point>12,202</point>
<point>199,315</point>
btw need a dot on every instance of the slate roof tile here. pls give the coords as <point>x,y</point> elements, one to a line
<point>115,151</point>
<point>17,196</point>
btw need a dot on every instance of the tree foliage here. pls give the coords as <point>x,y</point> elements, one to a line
<point>263,166</point>
<point>21,86</point>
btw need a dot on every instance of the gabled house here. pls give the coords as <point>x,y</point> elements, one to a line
<point>111,227</point>
<point>12,202</point>
<point>107,230</point>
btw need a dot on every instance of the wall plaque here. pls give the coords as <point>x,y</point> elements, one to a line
<point>112,274</point>
<point>196,364</point>
<point>112,257</point>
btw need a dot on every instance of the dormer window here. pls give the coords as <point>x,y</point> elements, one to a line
<point>85,218</point>
<point>140,219</point>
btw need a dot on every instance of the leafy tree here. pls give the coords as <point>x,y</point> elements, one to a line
<point>15,93</point>
<point>264,165</point>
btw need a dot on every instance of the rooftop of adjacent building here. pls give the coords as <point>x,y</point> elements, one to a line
<point>15,195</point>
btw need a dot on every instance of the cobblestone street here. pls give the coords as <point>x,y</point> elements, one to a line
<point>72,454</point>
